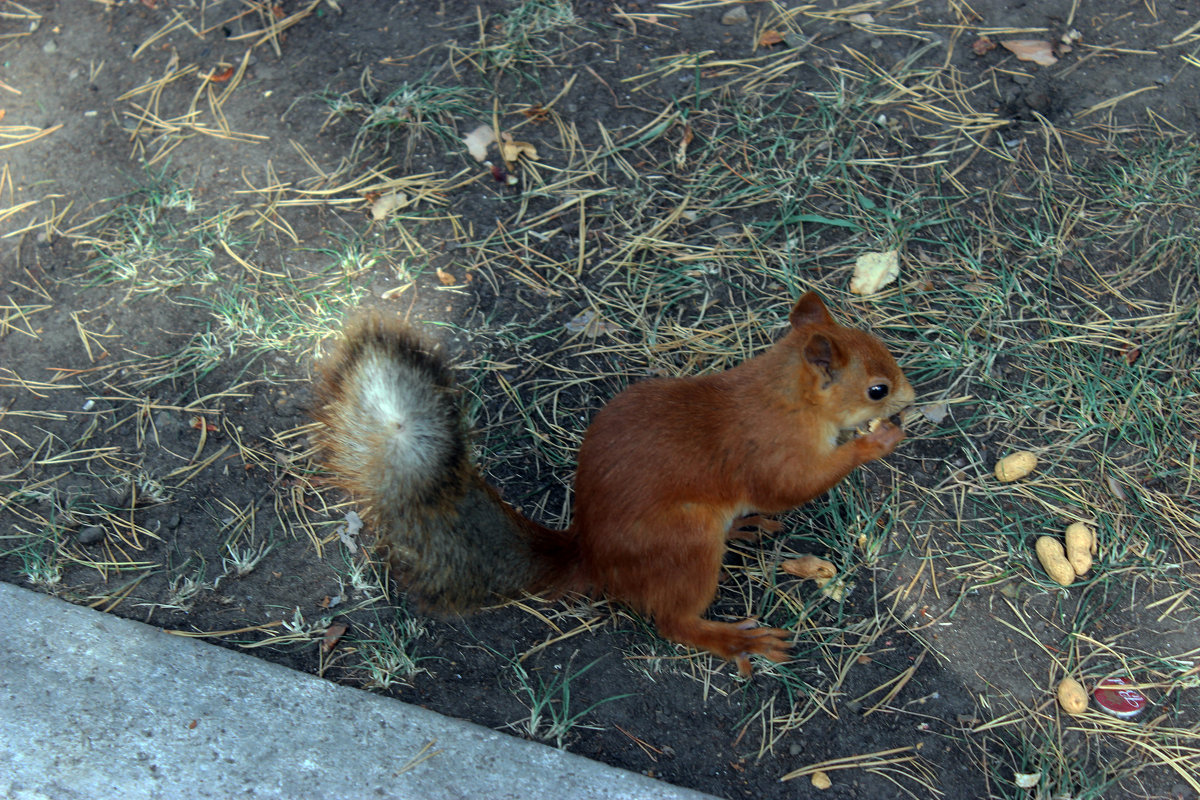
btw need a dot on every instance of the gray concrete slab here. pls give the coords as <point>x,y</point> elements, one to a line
<point>93,706</point>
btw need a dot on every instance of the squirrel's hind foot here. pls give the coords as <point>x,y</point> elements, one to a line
<point>733,641</point>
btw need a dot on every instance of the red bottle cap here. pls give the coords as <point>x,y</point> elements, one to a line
<point>1113,697</point>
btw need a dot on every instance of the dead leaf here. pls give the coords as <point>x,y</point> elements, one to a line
<point>873,271</point>
<point>770,37</point>
<point>591,325</point>
<point>333,634</point>
<point>385,205</point>
<point>445,277</point>
<point>862,19</point>
<point>477,141</point>
<point>681,152</point>
<point>535,113</point>
<point>1115,487</point>
<point>982,46</point>
<point>820,571</point>
<point>1035,50</point>
<point>1027,780</point>
<point>511,150</point>
<point>810,568</point>
<point>347,532</point>
<point>935,412</point>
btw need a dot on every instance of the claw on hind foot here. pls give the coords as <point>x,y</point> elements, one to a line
<point>770,643</point>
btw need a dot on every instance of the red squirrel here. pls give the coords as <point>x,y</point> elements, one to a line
<point>669,470</point>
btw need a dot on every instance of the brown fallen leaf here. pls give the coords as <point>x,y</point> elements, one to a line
<point>820,571</point>
<point>1035,50</point>
<point>982,46</point>
<point>770,37</point>
<point>333,634</point>
<point>810,567</point>
<point>535,113</point>
<point>1115,487</point>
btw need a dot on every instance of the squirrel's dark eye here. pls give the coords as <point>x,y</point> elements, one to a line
<point>878,391</point>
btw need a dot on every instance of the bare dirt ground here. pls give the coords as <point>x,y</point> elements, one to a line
<point>195,192</point>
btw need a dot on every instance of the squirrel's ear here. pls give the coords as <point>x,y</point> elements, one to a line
<point>825,357</point>
<point>809,310</point>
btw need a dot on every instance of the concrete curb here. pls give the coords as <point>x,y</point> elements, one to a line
<point>93,706</point>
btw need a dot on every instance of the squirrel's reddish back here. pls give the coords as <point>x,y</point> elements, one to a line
<point>669,470</point>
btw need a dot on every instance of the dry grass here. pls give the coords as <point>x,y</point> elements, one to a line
<point>1053,310</point>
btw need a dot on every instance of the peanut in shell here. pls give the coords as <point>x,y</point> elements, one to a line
<point>1015,466</point>
<point>1054,560</point>
<point>1072,697</point>
<point>1081,541</point>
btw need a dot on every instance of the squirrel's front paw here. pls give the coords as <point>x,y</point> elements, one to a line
<point>879,442</point>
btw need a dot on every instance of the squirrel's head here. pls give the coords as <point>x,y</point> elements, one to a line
<point>854,377</point>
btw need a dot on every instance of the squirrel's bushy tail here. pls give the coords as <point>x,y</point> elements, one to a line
<point>393,436</point>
